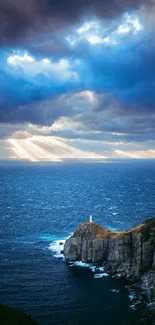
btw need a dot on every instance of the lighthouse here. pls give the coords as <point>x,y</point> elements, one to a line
<point>91,219</point>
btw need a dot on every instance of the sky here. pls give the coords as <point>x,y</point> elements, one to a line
<point>77,79</point>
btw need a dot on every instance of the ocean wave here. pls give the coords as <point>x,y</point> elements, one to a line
<point>113,207</point>
<point>57,247</point>
<point>100,275</point>
<point>80,264</point>
<point>115,290</point>
<point>132,296</point>
<point>132,306</point>
<point>33,239</point>
<point>97,270</point>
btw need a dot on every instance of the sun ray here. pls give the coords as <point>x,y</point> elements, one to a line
<point>41,148</point>
<point>20,151</point>
<point>41,153</point>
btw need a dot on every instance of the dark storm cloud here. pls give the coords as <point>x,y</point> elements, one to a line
<point>36,99</point>
<point>6,130</point>
<point>121,77</point>
<point>43,112</point>
<point>20,18</point>
<point>123,87</point>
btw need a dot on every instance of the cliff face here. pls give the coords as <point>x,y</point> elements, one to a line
<point>128,254</point>
<point>125,254</point>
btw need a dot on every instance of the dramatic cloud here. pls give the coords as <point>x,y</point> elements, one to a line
<point>20,19</point>
<point>78,71</point>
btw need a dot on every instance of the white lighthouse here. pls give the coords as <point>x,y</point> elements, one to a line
<point>91,218</point>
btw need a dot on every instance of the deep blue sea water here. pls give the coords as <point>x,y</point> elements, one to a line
<point>43,203</point>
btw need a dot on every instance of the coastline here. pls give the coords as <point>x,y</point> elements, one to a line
<point>126,254</point>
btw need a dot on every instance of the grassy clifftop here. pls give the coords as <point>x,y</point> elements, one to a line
<point>91,230</point>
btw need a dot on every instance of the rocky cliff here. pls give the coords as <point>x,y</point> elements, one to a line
<point>129,254</point>
<point>126,254</point>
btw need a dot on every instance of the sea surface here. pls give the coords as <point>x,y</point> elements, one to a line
<point>40,206</point>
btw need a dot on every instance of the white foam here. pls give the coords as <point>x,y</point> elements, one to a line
<point>98,270</point>
<point>115,290</point>
<point>113,207</point>
<point>100,275</point>
<point>115,213</point>
<point>131,296</point>
<point>80,264</point>
<point>92,268</point>
<point>56,247</point>
<point>132,306</point>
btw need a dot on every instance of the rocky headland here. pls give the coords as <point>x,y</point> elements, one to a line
<point>124,254</point>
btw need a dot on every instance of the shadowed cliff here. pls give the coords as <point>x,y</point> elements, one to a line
<point>125,254</point>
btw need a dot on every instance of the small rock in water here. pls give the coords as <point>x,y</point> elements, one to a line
<point>61,243</point>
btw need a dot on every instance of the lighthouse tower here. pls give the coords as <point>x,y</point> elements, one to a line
<point>91,219</point>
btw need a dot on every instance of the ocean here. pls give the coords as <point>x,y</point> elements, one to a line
<point>41,204</point>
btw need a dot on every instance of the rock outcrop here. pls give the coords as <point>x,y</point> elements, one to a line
<point>129,254</point>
